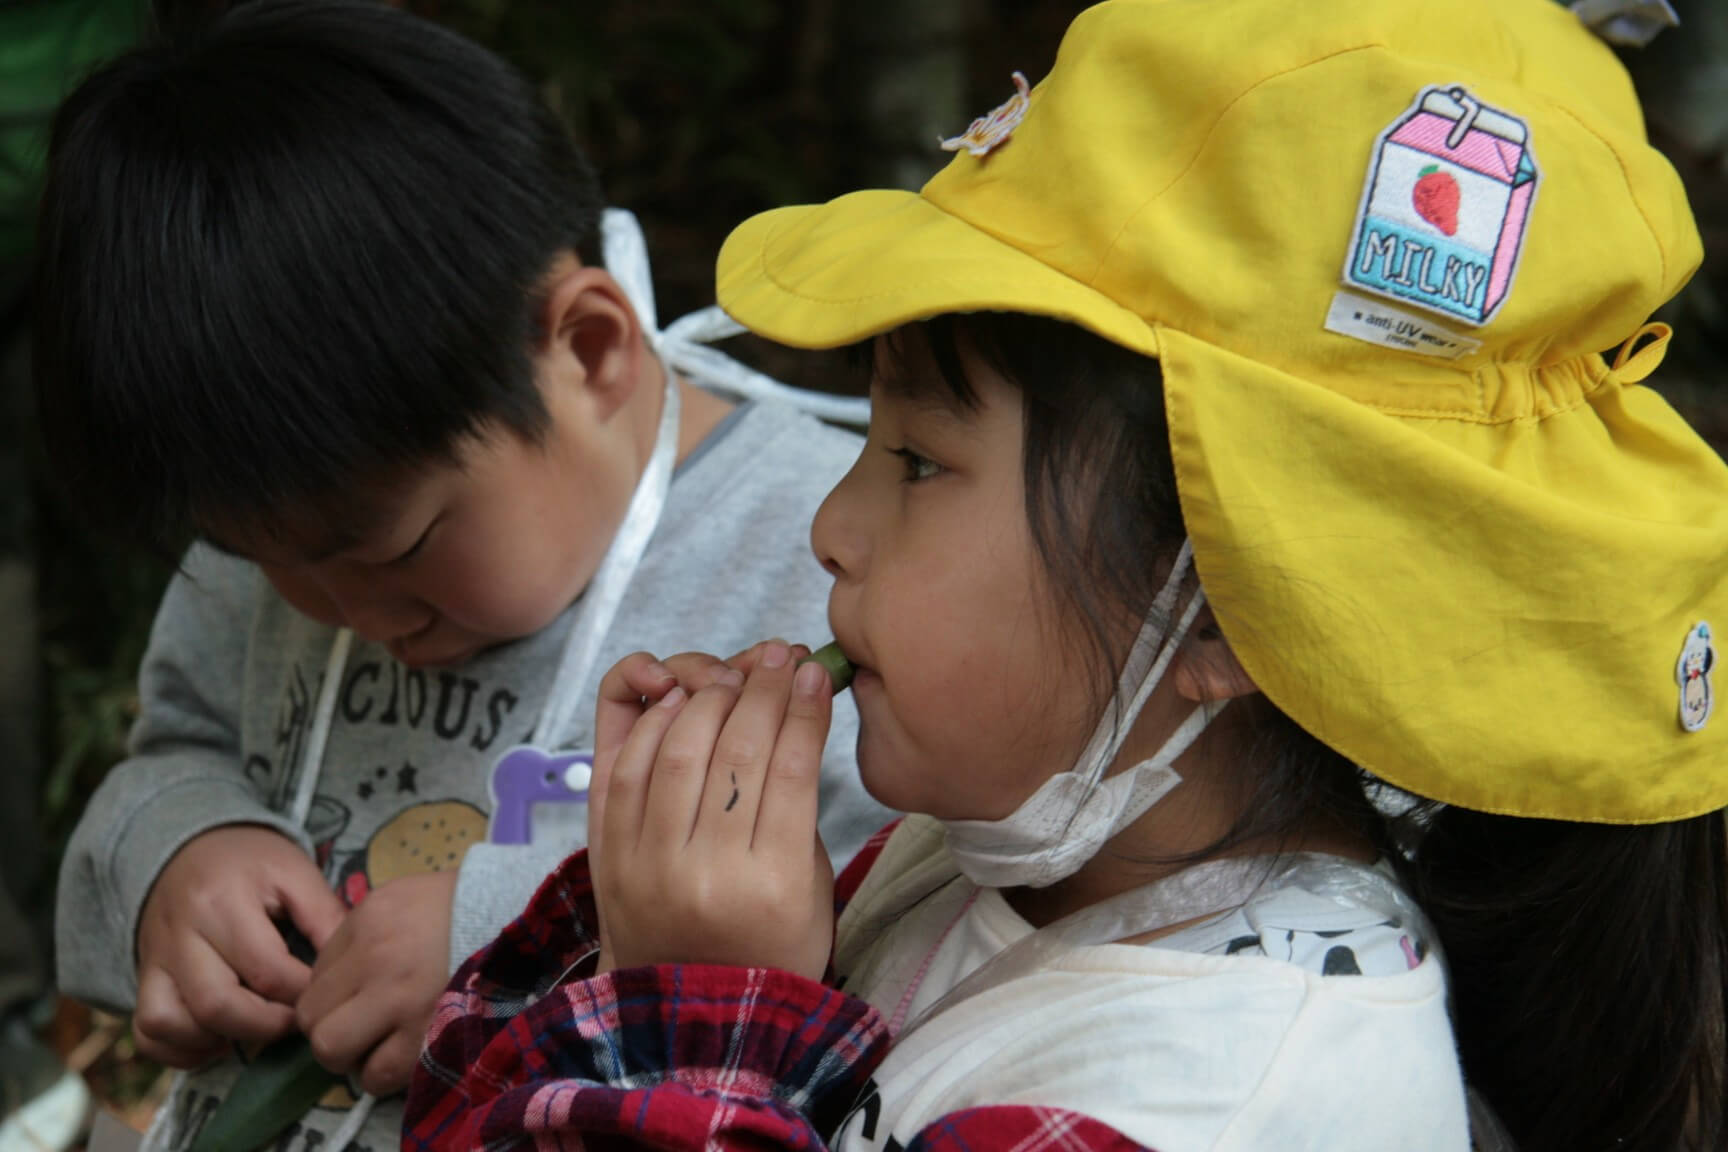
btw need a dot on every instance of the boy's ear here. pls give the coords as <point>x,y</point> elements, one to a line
<point>1206,669</point>
<point>592,337</point>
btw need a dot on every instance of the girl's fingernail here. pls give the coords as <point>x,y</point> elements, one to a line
<point>659,671</point>
<point>810,678</point>
<point>776,654</point>
<point>673,698</point>
<point>732,678</point>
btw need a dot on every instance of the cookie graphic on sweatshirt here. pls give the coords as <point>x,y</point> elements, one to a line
<point>425,838</point>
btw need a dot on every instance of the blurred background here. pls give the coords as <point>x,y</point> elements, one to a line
<point>697,115</point>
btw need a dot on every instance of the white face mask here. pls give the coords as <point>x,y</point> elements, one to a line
<point>1061,826</point>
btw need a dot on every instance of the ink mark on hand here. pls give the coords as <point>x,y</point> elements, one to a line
<point>734,798</point>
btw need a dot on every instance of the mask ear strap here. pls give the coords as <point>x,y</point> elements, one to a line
<point>1154,648</point>
<point>1183,737</point>
<point>1149,781</point>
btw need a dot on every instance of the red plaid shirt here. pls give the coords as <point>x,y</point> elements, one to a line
<point>527,1051</point>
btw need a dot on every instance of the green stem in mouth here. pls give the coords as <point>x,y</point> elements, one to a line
<point>839,668</point>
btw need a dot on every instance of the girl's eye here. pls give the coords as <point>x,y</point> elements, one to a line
<point>918,467</point>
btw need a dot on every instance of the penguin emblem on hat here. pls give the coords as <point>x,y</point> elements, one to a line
<point>1697,658</point>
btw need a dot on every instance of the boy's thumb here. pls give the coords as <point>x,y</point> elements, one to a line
<point>315,910</point>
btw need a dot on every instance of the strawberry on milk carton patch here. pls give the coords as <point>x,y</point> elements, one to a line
<point>1443,213</point>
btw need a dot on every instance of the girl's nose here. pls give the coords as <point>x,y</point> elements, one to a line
<point>836,535</point>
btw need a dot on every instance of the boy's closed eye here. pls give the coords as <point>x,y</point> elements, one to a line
<point>397,555</point>
<point>415,548</point>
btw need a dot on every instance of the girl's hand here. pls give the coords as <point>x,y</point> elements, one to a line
<point>702,812</point>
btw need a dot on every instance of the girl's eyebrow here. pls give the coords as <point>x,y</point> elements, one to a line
<point>939,404</point>
<point>935,400</point>
<point>934,405</point>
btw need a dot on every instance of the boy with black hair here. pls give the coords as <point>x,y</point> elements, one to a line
<point>325,289</point>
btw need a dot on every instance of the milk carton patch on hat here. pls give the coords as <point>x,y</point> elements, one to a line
<point>1444,208</point>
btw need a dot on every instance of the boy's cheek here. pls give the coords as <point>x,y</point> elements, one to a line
<point>509,607</point>
<point>303,595</point>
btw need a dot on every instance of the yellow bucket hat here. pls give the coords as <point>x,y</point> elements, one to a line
<point>1378,250</point>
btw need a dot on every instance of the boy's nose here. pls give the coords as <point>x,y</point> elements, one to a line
<point>372,610</point>
<point>384,623</point>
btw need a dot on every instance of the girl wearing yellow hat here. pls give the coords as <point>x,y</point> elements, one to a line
<point>1290,634</point>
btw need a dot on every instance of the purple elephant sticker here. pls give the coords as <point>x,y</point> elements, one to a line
<point>526,776</point>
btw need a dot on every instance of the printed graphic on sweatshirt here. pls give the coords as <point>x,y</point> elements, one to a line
<point>449,705</point>
<point>432,837</point>
<point>1443,213</point>
<point>437,717</point>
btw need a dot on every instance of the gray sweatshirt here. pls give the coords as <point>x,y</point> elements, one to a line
<point>232,674</point>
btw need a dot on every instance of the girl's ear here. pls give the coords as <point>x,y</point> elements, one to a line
<point>1205,667</point>
<point>590,335</point>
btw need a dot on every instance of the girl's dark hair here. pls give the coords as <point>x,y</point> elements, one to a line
<point>290,256</point>
<point>1588,964</point>
<point>1587,961</point>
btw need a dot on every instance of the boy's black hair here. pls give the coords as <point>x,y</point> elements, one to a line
<point>291,259</point>
<point>1588,962</point>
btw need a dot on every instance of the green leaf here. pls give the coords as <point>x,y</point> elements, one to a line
<point>277,1088</point>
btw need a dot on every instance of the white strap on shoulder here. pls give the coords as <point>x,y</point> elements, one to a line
<point>684,345</point>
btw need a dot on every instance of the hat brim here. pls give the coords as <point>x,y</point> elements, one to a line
<point>827,275</point>
<point>1430,597</point>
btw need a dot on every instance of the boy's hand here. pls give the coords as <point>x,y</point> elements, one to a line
<point>213,966</point>
<point>378,979</point>
<point>702,813</point>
